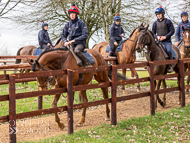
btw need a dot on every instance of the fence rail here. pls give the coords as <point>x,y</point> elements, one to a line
<point>14,78</point>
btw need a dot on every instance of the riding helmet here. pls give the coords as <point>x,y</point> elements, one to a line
<point>73,9</point>
<point>44,24</point>
<point>160,10</point>
<point>184,13</point>
<point>117,18</point>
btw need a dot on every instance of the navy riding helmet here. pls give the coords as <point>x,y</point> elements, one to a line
<point>44,24</point>
<point>117,18</point>
<point>184,13</point>
<point>160,10</point>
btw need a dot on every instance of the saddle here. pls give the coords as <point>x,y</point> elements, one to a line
<point>163,48</point>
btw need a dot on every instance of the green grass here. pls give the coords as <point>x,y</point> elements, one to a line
<point>168,126</point>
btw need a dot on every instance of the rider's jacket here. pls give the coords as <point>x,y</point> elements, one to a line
<point>115,32</point>
<point>163,28</point>
<point>43,37</point>
<point>178,33</point>
<point>75,29</point>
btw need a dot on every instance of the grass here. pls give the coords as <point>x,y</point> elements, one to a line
<point>168,126</point>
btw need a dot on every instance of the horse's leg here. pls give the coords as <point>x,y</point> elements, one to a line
<point>179,91</point>
<point>164,97</point>
<point>123,86</point>
<point>105,95</point>
<point>84,100</point>
<point>137,76</point>
<point>157,95</point>
<point>54,104</point>
<point>27,71</point>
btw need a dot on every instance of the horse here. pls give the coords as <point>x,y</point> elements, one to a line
<point>146,38</point>
<point>184,48</point>
<point>126,56</point>
<point>61,58</point>
<point>28,50</point>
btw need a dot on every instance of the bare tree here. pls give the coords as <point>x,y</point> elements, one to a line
<point>7,6</point>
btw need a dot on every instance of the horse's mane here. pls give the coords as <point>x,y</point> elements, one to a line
<point>143,28</point>
<point>33,67</point>
<point>58,41</point>
<point>94,46</point>
<point>132,32</point>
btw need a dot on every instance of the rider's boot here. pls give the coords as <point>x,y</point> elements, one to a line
<point>83,58</point>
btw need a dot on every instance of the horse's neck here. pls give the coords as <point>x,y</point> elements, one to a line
<point>154,50</point>
<point>130,44</point>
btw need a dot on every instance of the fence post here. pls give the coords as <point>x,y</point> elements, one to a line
<point>70,100</point>
<point>40,99</point>
<point>12,110</point>
<point>114,96</point>
<point>4,71</point>
<point>152,89</point>
<point>181,82</point>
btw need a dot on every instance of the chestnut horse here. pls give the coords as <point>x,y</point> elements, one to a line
<point>28,50</point>
<point>126,56</point>
<point>61,59</point>
<point>146,38</point>
<point>184,48</point>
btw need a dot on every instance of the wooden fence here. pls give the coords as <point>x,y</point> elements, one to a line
<point>14,78</point>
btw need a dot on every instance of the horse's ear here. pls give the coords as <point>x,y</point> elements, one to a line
<point>141,24</point>
<point>30,61</point>
<point>146,28</point>
<point>183,28</point>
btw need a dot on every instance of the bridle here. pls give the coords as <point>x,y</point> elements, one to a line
<point>187,41</point>
<point>144,42</point>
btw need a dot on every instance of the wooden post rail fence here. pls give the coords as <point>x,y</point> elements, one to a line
<point>13,96</point>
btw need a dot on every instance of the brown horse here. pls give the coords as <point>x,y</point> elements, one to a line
<point>146,38</point>
<point>61,59</point>
<point>126,56</point>
<point>28,50</point>
<point>184,48</point>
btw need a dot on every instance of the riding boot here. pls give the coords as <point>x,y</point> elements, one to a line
<point>110,54</point>
<point>170,68</point>
<point>84,59</point>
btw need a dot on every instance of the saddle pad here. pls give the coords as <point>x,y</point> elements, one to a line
<point>119,48</point>
<point>37,51</point>
<point>89,57</point>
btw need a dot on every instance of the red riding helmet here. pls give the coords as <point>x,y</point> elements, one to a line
<point>73,9</point>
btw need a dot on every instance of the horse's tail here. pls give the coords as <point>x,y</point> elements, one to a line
<point>18,54</point>
<point>119,76</point>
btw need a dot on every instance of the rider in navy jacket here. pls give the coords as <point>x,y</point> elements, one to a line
<point>185,22</point>
<point>116,33</point>
<point>75,33</point>
<point>43,37</point>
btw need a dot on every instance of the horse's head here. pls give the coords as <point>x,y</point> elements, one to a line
<point>186,36</point>
<point>36,66</point>
<point>142,38</point>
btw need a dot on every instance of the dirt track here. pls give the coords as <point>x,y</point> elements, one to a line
<point>44,127</point>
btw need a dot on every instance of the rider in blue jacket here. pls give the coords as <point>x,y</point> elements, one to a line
<point>77,33</point>
<point>163,29</point>
<point>43,37</point>
<point>185,22</point>
<point>116,34</point>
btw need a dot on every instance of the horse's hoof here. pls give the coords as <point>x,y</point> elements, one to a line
<point>79,125</point>
<point>107,119</point>
<point>61,125</point>
<point>163,105</point>
<point>138,90</point>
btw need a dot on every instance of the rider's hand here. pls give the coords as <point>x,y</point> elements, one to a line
<point>72,41</point>
<point>177,43</point>
<point>122,35</point>
<point>159,38</point>
<point>66,44</point>
<point>48,44</point>
<point>115,43</point>
<point>163,38</point>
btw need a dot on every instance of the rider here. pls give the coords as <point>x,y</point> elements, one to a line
<point>163,29</point>
<point>116,34</point>
<point>77,33</point>
<point>185,22</point>
<point>43,37</point>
